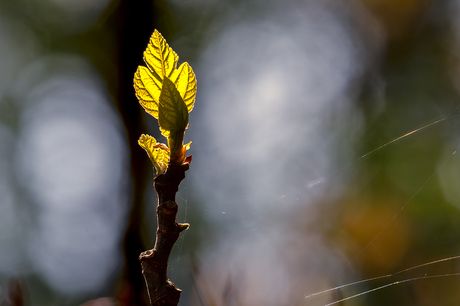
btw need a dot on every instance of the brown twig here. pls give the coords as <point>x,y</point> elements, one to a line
<point>155,262</point>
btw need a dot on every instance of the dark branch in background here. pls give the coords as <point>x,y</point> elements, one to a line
<point>155,262</point>
<point>15,292</point>
<point>134,21</point>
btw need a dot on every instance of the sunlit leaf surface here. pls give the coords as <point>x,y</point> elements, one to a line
<point>157,152</point>
<point>173,115</point>
<point>148,90</point>
<point>186,85</point>
<point>160,58</point>
<point>161,62</point>
<point>168,94</point>
<point>173,111</point>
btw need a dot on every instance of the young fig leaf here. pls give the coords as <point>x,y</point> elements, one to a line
<point>161,62</point>
<point>157,152</point>
<point>173,113</point>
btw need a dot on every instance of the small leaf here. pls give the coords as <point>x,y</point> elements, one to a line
<point>186,85</point>
<point>173,113</point>
<point>157,152</point>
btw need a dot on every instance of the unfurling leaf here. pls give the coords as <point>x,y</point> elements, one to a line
<point>157,152</point>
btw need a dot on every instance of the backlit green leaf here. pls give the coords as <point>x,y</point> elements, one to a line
<point>148,90</point>
<point>161,62</point>
<point>160,58</point>
<point>173,113</point>
<point>157,152</point>
<point>168,94</point>
<point>186,85</point>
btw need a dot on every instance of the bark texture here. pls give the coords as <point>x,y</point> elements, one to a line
<point>155,262</point>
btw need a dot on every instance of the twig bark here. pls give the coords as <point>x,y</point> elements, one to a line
<point>155,262</point>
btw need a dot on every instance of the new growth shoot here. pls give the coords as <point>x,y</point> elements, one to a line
<point>168,94</point>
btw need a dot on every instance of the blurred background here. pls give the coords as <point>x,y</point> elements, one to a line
<point>291,190</point>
